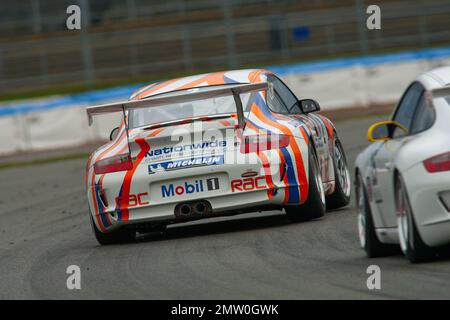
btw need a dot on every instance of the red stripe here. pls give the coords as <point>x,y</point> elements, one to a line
<point>266,167</point>
<point>126,185</point>
<point>301,175</point>
<point>328,125</point>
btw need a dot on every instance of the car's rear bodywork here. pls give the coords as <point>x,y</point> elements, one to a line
<point>209,172</point>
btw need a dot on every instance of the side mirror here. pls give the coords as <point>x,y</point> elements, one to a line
<point>113,133</point>
<point>309,105</point>
<point>383,131</point>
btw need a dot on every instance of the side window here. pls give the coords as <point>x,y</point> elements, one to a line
<point>274,101</point>
<point>286,96</point>
<point>424,117</point>
<point>295,109</point>
<point>407,107</point>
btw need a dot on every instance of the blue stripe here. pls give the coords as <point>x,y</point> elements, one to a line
<point>119,207</point>
<point>259,101</point>
<point>148,87</point>
<point>122,93</point>
<point>294,195</point>
<point>228,80</point>
<point>88,98</point>
<point>258,126</point>
<point>309,67</point>
<point>101,208</point>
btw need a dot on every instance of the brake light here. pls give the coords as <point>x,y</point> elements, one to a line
<point>264,142</point>
<point>438,163</point>
<point>117,163</point>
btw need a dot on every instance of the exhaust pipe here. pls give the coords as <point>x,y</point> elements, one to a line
<point>200,208</point>
<point>194,209</point>
<point>185,209</point>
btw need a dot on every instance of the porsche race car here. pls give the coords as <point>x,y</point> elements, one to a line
<point>403,177</point>
<point>210,145</point>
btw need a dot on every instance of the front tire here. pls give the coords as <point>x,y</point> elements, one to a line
<point>366,228</point>
<point>314,207</point>
<point>341,195</point>
<point>410,241</point>
<point>112,237</point>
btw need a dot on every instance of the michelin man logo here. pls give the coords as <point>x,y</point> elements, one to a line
<point>155,168</point>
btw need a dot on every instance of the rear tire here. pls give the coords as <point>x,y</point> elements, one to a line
<point>341,195</point>
<point>410,241</point>
<point>114,237</point>
<point>314,207</point>
<point>366,228</point>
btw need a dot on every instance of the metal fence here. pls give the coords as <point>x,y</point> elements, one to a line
<point>129,40</point>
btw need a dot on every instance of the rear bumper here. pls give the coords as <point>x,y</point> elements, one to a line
<point>228,204</point>
<point>429,195</point>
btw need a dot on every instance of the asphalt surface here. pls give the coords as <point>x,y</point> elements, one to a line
<point>44,228</point>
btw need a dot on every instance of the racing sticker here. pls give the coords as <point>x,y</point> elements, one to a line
<point>194,149</point>
<point>185,163</point>
<point>186,188</point>
<point>248,184</point>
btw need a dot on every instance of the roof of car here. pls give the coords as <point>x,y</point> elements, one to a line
<point>206,79</point>
<point>441,74</point>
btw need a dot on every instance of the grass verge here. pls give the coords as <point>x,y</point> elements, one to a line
<point>15,164</point>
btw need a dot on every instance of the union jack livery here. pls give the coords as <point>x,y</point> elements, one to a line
<point>210,145</point>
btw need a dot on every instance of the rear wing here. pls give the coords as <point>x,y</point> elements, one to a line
<point>189,95</point>
<point>442,92</point>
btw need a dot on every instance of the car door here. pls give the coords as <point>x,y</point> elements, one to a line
<point>291,108</point>
<point>383,160</point>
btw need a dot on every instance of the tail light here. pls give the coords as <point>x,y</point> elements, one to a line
<point>264,142</point>
<point>438,163</point>
<point>117,163</point>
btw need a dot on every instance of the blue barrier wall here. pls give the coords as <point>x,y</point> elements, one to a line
<point>121,93</point>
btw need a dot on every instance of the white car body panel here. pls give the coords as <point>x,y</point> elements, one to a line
<point>428,192</point>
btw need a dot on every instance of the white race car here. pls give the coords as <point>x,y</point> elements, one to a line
<point>215,144</point>
<point>403,177</point>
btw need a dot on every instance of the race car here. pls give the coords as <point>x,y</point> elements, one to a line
<point>403,177</point>
<point>210,145</point>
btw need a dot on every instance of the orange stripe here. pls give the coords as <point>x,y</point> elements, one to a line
<point>268,174</point>
<point>305,136</point>
<point>155,88</point>
<point>211,79</point>
<point>225,123</point>
<point>266,167</point>
<point>328,125</point>
<point>112,146</point>
<point>155,133</point>
<point>255,76</point>
<point>298,156</point>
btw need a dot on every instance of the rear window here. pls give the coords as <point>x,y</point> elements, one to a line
<point>179,111</point>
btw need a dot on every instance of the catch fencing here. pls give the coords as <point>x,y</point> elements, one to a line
<point>128,40</point>
<point>353,82</point>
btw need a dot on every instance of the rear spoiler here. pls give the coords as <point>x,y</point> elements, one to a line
<point>441,92</point>
<point>181,96</point>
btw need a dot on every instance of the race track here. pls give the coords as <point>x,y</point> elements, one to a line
<point>44,228</point>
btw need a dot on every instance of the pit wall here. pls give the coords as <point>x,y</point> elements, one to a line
<point>365,82</point>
